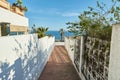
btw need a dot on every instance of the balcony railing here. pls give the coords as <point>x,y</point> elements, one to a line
<point>17,10</point>
<point>4,4</point>
<point>15,28</point>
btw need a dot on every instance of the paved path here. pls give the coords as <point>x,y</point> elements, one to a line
<point>59,66</point>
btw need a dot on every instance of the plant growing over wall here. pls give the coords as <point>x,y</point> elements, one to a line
<point>75,28</point>
<point>97,22</point>
<point>18,3</point>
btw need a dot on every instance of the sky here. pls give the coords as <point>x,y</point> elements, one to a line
<point>55,13</point>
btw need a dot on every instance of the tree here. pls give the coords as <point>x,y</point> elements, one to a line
<point>61,33</point>
<point>97,22</point>
<point>19,2</point>
<point>41,31</point>
<point>74,28</point>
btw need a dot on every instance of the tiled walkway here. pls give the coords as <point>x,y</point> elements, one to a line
<point>59,66</point>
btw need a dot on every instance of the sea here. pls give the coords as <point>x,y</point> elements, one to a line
<point>57,34</point>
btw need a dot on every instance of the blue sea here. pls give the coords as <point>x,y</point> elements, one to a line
<point>57,34</point>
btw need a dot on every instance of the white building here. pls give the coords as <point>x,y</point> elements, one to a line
<point>12,19</point>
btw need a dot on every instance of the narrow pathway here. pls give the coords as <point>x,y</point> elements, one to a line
<point>59,66</point>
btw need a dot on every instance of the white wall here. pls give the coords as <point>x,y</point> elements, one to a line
<point>114,66</point>
<point>59,43</point>
<point>69,45</point>
<point>13,18</point>
<point>24,57</point>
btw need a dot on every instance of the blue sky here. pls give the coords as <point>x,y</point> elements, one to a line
<point>55,13</point>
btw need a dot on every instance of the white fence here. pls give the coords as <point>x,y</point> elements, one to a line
<point>111,63</point>
<point>70,45</point>
<point>85,52</point>
<point>24,57</point>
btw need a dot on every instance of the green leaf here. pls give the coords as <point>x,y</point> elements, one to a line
<point>112,0</point>
<point>98,4</point>
<point>103,18</point>
<point>91,9</point>
<point>118,0</point>
<point>118,8</point>
<point>116,14</point>
<point>112,10</point>
<point>95,13</point>
<point>111,19</point>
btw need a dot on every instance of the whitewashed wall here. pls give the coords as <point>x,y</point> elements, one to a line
<point>114,66</point>
<point>24,57</point>
<point>69,45</point>
<point>13,18</point>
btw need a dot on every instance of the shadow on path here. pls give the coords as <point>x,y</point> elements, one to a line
<point>59,66</point>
